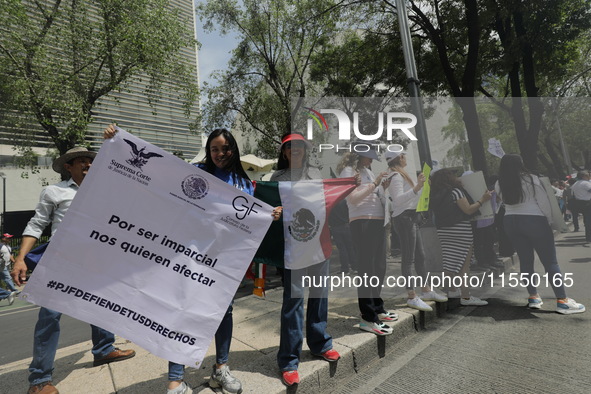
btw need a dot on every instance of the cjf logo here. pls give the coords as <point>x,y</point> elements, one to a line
<point>393,121</point>
<point>195,187</point>
<point>304,226</point>
<point>139,157</point>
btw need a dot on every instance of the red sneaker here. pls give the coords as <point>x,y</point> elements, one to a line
<point>330,355</point>
<point>290,377</point>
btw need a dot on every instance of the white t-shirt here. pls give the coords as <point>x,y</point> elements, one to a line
<point>4,256</point>
<point>364,202</point>
<point>402,195</point>
<point>582,190</point>
<point>535,201</point>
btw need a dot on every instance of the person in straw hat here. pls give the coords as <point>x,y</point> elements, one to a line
<point>53,204</point>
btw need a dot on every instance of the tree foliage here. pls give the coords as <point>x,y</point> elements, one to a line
<point>271,63</point>
<point>62,56</point>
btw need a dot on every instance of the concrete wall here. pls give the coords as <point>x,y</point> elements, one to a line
<point>22,194</point>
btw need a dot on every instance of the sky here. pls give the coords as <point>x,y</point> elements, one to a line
<point>214,53</point>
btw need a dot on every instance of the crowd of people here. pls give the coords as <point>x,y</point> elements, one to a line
<point>359,227</point>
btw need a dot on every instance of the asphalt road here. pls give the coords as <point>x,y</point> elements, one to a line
<point>17,323</point>
<point>501,348</point>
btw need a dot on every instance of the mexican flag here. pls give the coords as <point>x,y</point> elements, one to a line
<point>302,238</point>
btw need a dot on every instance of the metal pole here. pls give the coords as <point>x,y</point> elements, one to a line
<point>413,84</point>
<point>3,175</point>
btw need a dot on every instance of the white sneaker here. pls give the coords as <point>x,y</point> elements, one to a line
<point>417,303</point>
<point>11,297</point>
<point>182,389</point>
<point>535,303</point>
<point>376,328</point>
<point>569,307</point>
<point>433,296</point>
<point>473,301</point>
<point>388,316</point>
<point>222,378</point>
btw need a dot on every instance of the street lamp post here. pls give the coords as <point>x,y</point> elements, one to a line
<point>413,83</point>
<point>3,175</point>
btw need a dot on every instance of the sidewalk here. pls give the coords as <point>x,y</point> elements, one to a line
<point>252,355</point>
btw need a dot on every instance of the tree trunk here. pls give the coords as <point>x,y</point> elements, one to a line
<point>470,117</point>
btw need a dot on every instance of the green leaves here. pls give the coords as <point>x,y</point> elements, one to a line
<point>64,56</point>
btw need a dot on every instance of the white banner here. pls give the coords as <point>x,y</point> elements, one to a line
<point>152,249</point>
<point>475,185</point>
<point>495,148</point>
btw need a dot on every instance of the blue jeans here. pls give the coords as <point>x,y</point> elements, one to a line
<point>47,333</point>
<point>7,279</point>
<point>292,317</point>
<point>531,233</point>
<point>223,339</point>
<point>411,246</point>
<point>4,294</point>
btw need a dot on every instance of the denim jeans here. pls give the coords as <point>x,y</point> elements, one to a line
<point>47,333</point>
<point>223,339</point>
<point>368,238</point>
<point>411,246</point>
<point>7,279</point>
<point>531,233</point>
<point>4,294</point>
<point>292,317</point>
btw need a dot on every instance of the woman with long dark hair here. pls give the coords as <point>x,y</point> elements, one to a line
<point>292,166</point>
<point>222,159</point>
<point>453,207</point>
<point>527,222</point>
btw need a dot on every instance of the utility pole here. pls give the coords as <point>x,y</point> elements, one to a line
<point>413,84</point>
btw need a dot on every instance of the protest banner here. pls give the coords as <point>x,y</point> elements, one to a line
<point>423,205</point>
<point>152,248</point>
<point>475,185</point>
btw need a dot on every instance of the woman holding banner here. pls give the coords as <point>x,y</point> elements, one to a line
<point>293,165</point>
<point>453,207</point>
<point>526,222</point>
<point>405,219</point>
<point>366,218</point>
<point>222,159</point>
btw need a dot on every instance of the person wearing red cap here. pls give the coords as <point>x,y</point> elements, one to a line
<point>7,259</point>
<point>292,165</point>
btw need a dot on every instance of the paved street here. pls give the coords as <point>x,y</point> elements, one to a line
<point>501,348</point>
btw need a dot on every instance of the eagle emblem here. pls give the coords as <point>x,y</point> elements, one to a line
<point>139,157</point>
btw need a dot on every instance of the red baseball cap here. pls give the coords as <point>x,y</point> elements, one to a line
<point>295,137</point>
<point>6,235</point>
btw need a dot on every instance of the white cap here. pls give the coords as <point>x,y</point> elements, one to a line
<point>392,155</point>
